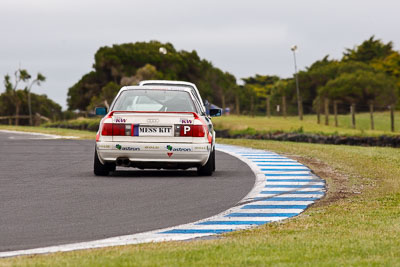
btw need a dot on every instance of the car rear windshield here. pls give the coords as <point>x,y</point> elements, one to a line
<point>176,85</point>
<point>155,100</point>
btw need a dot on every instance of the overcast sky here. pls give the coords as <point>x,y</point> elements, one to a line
<point>60,37</point>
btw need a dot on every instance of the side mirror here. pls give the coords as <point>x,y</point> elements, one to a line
<point>101,111</point>
<point>215,112</point>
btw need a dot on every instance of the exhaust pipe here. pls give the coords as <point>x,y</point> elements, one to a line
<point>125,162</point>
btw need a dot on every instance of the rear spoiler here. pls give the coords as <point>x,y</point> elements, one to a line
<point>153,112</point>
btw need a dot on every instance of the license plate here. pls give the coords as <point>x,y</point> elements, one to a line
<point>155,131</point>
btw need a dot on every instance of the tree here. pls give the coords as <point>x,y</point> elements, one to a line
<point>44,106</point>
<point>391,66</point>
<point>237,93</point>
<point>108,93</point>
<point>81,93</point>
<point>280,89</point>
<point>317,75</point>
<point>369,51</point>
<point>147,72</point>
<point>20,75</point>
<point>38,80</point>
<point>361,87</point>
<point>124,63</point>
<point>261,87</point>
<point>41,104</point>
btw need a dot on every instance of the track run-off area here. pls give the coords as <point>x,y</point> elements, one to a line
<point>51,201</point>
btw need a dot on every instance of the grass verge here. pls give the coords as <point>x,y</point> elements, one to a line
<point>238,124</point>
<point>57,131</point>
<point>262,124</point>
<point>89,124</point>
<point>356,224</point>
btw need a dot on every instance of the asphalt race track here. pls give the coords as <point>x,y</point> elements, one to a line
<point>49,195</point>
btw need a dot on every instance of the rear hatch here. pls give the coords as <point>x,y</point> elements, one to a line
<point>155,127</point>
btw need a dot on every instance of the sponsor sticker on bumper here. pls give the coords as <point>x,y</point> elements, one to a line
<point>127,148</point>
<point>153,147</point>
<point>201,148</point>
<point>104,146</point>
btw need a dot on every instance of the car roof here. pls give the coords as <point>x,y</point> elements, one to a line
<point>152,87</point>
<point>156,87</point>
<point>169,82</point>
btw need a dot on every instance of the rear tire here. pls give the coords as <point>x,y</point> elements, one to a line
<point>213,160</point>
<point>208,169</point>
<point>100,169</point>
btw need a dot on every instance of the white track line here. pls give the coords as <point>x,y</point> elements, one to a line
<point>44,136</point>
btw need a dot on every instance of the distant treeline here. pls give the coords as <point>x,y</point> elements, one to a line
<point>41,104</point>
<point>367,77</point>
<point>18,100</point>
<point>368,74</point>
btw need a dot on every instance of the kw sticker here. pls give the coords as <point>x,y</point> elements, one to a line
<point>169,154</point>
<point>117,119</point>
<point>186,121</point>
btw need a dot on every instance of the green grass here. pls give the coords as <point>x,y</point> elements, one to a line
<point>250,125</point>
<point>57,131</point>
<point>90,124</point>
<point>310,125</point>
<point>356,224</point>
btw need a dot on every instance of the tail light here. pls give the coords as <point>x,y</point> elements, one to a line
<point>116,129</point>
<point>190,130</point>
<point>107,129</point>
<point>198,130</point>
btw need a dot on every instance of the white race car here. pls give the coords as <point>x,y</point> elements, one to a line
<point>157,127</point>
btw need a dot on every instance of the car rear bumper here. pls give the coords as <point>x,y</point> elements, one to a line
<point>155,154</point>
